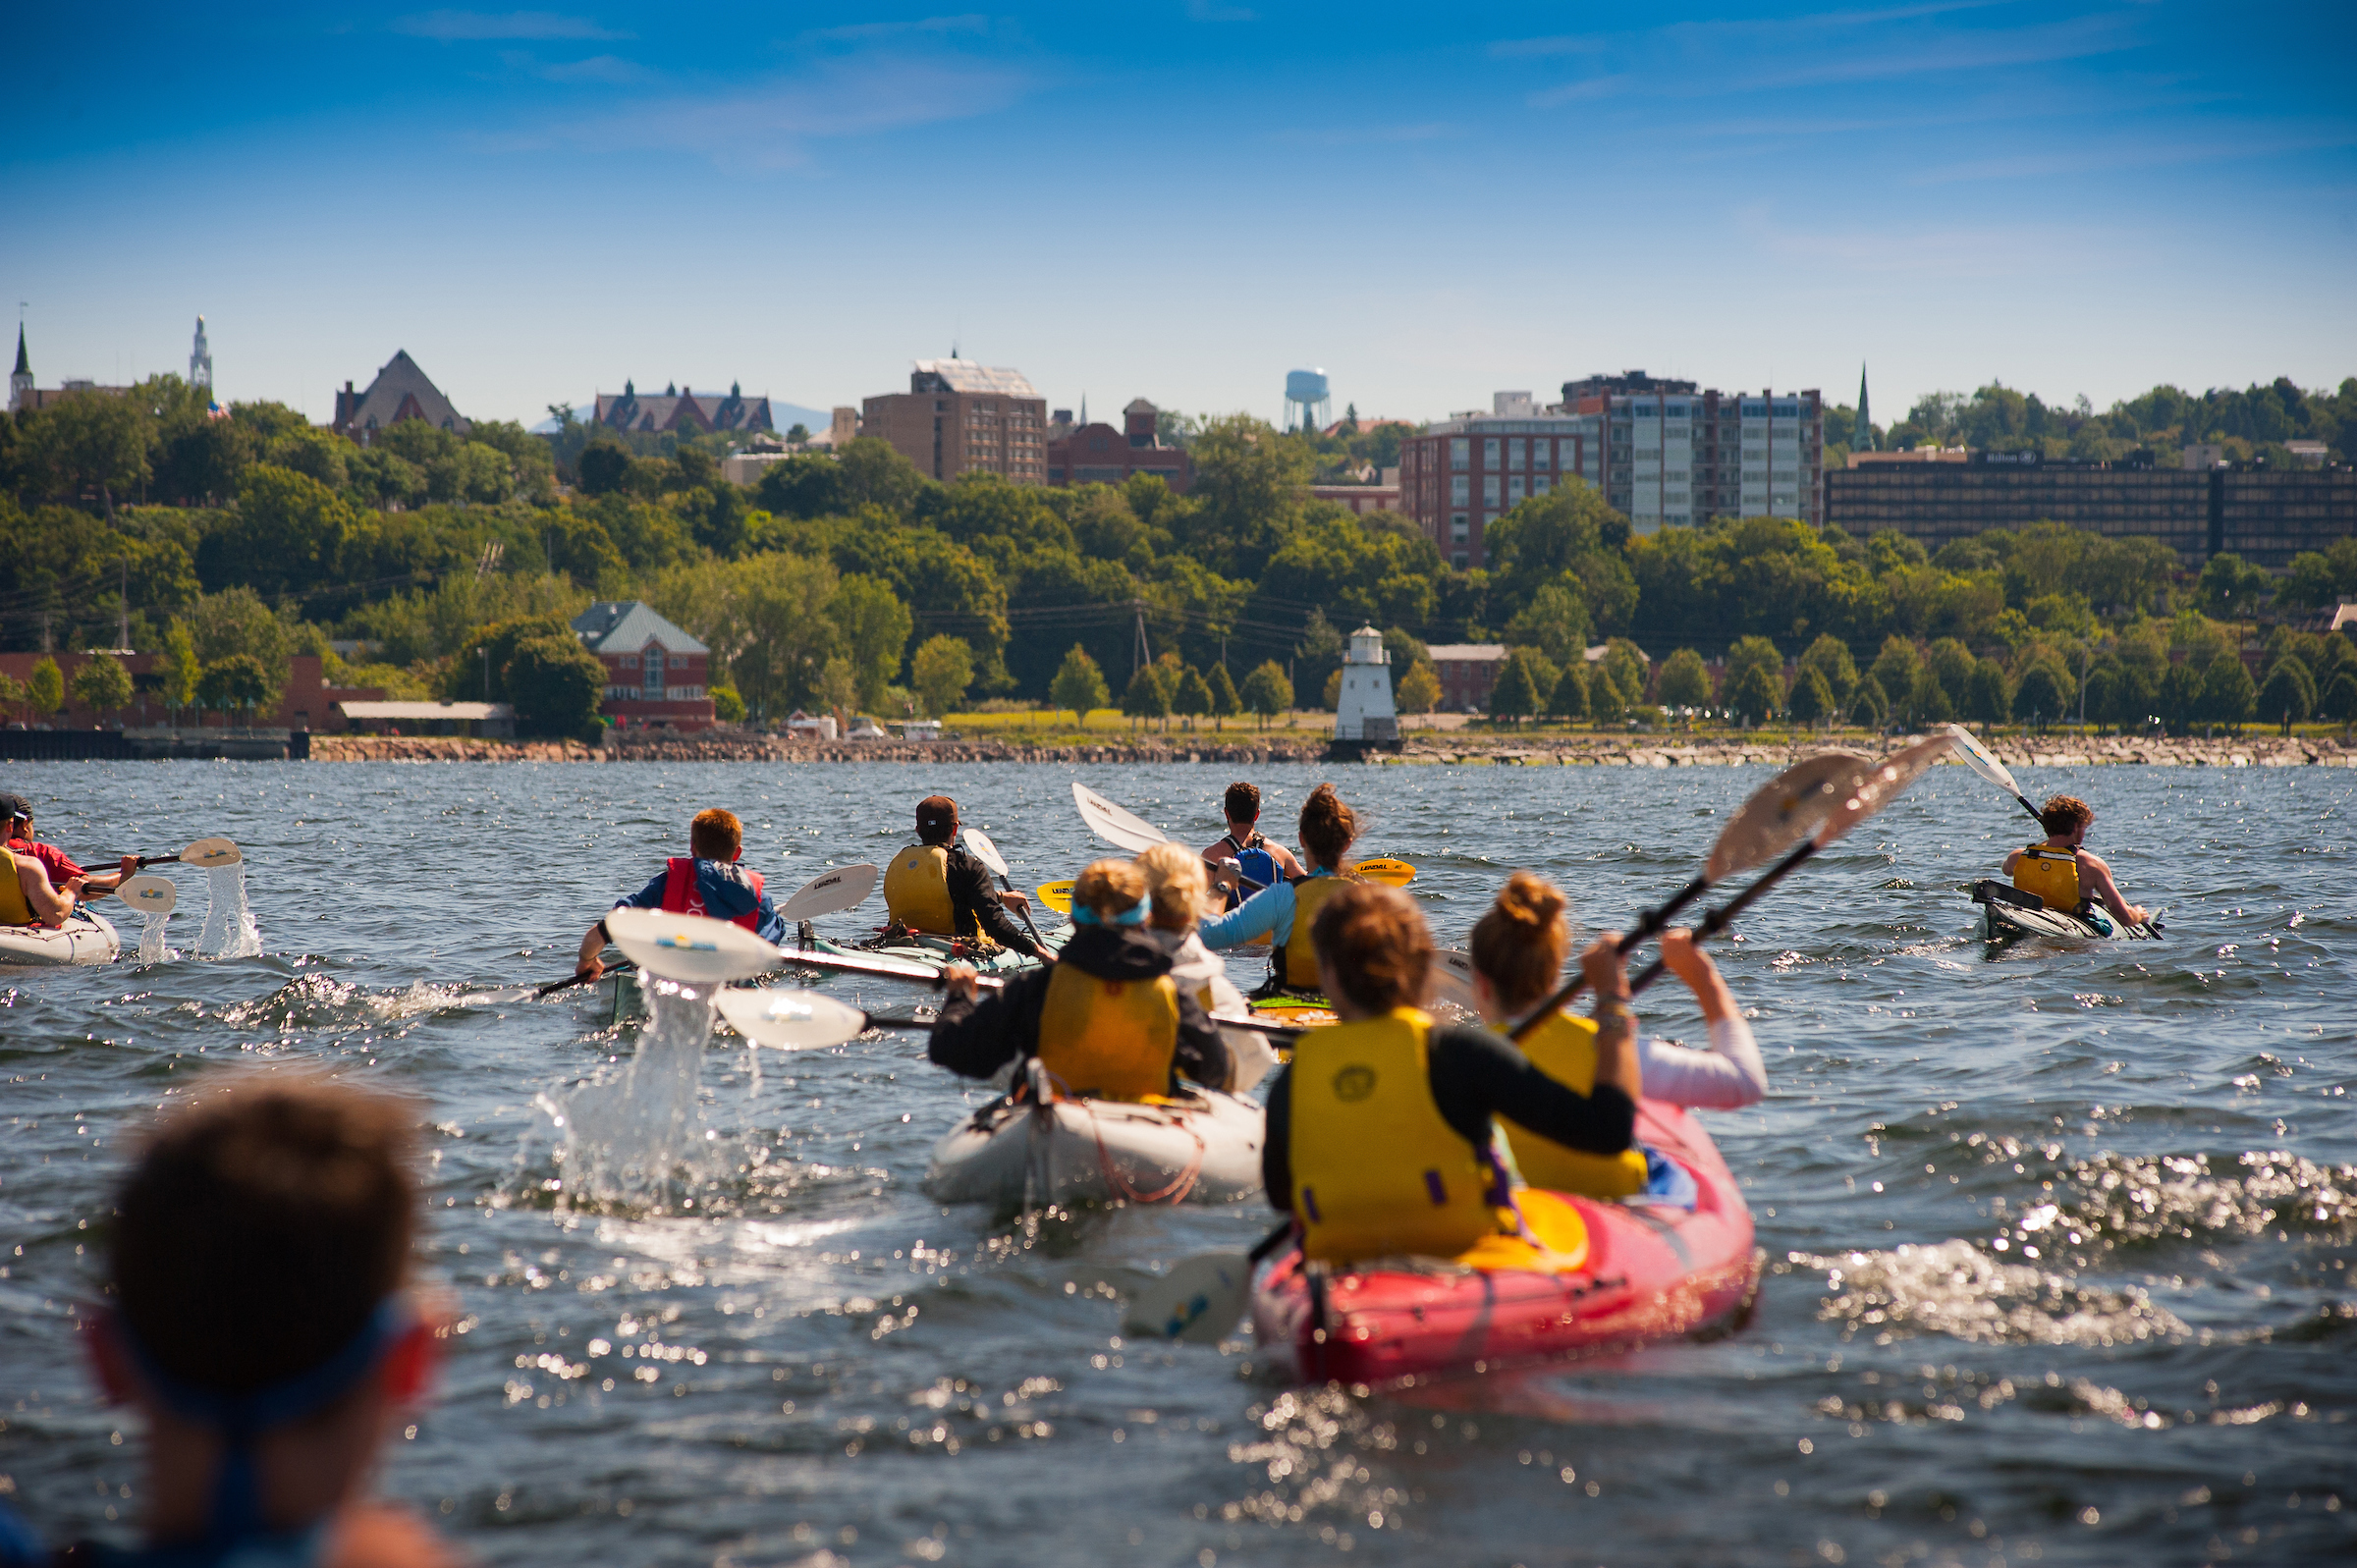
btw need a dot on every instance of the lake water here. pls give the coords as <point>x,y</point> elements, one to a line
<point>798,1355</point>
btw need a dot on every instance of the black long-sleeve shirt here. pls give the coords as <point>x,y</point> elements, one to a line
<point>1474,1075</point>
<point>975,1036</point>
<point>974,904</point>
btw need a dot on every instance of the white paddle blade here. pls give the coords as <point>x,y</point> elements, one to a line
<point>1198,1302</point>
<point>149,895</point>
<point>830,892</point>
<point>1885,783</point>
<point>689,949</point>
<point>979,843</point>
<point>212,853</point>
<point>791,1020</point>
<point>1452,979</point>
<point>1981,760</point>
<point>1254,1057</point>
<point>1784,811</point>
<point>1112,824</point>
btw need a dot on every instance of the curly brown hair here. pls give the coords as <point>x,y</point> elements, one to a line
<point>2064,814</point>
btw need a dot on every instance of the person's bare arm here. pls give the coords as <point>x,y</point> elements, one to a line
<point>593,945</point>
<point>1693,966</point>
<point>1615,1024</point>
<point>50,905</point>
<point>2012,860</point>
<point>1288,864</point>
<point>2098,877</point>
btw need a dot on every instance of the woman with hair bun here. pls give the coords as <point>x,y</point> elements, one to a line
<point>1382,1132</point>
<point>1291,905</point>
<point>1518,953</point>
<point>1106,1020</point>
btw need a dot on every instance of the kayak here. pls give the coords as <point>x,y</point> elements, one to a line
<point>1642,1271</point>
<point>1201,1148</point>
<point>939,953</point>
<point>2006,918</point>
<point>84,939</point>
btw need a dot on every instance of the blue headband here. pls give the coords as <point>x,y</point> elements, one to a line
<point>240,1419</point>
<point>1135,915</point>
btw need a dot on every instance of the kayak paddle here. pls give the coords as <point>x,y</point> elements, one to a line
<point>1391,872</point>
<point>979,843</point>
<point>791,1020</point>
<point>1199,1300</point>
<point>1123,830</point>
<point>1789,806</point>
<point>692,950</point>
<point>830,892</point>
<point>203,852</point>
<point>1981,760</point>
<point>1056,895</point>
<point>896,969</point>
<point>1870,795</point>
<point>149,895</point>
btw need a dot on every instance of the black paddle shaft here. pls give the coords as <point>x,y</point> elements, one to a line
<point>1723,916</point>
<point>1648,924</point>
<point>570,981</point>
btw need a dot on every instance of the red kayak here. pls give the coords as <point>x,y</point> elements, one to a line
<point>1640,1272</point>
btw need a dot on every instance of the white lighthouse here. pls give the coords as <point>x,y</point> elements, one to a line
<point>1363,712</point>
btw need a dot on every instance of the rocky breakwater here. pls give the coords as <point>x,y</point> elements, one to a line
<point>724,745</point>
<point>445,748</point>
<point>1503,748</point>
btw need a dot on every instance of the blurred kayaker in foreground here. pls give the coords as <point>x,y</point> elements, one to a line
<point>2062,873</point>
<point>1256,856</point>
<point>1177,890</point>
<point>1287,909</point>
<point>707,881</point>
<point>1518,953</point>
<point>1382,1132</point>
<point>1105,1020</point>
<point>939,889</point>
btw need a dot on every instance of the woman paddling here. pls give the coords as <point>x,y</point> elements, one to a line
<point>1177,888</point>
<point>1518,953</point>
<point>1105,1020</point>
<point>1381,1137</point>
<point>1290,907</point>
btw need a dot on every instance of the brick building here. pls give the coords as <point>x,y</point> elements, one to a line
<point>676,409</point>
<point>1466,670</point>
<point>1098,453</point>
<point>960,418</point>
<point>306,698</point>
<point>401,390</point>
<point>1464,473</point>
<point>656,674</point>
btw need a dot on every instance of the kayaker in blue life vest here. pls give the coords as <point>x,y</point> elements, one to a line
<point>2062,871</point>
<point>261,1321</point>
<point>1382,1135</point>
<point>707,881</point>
<point>1285,909</point>
<point>1258,857</point>
<point>938,888</point>
<point>1106,1020</point>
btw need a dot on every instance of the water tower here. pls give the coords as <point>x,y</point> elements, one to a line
<point>1308,405</point>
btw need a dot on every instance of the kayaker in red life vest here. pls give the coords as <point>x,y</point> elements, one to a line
<point>61,868</point>
<point>706,881</point>
<point>2062,872</point>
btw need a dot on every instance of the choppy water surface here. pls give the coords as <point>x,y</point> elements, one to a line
<point>2058,1241</point>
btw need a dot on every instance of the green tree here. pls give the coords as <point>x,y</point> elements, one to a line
<point>88,440</point>
<point>1986,699</point>
<point>238,681</point>
<point>1753,695</point>
<point>554,683</point>
<point>1895,667</point>
<point>1812,698</point>
<point>1268,691</point>
<point>2231,587</point>
<point>1604,698</point>
<point>1951,664</point>
<point>1685,681</point>
<point>13,695</point>
<point>1830,656</point>
<point>1750,653</point>
<point>2340,700</point>
<point>940,670</point>
<point>45,691</point>
<point>1193,700</point>
<point>2039,699</point>
<point>103,685</point>
<point>1332,697</point>
<point>2288,695</point>
<point>839,687</point>
<point>179,667</point>
<point>2180,698</point>
<point>1554,621</point>
<point>1928,700</point>
<point>1146,697</point>
<point>2227,693</point>
<point>1869,707</point>
<point>728,706</point>
<point>1516,693</point>
<point>1568,701</point>
<point>875,627</point>
<point>1419,689</point>
<point>1226,704</point>
<point>1080,685</point>
<point>236,620</point>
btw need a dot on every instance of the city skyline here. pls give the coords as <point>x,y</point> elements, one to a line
<point>1184,204</point>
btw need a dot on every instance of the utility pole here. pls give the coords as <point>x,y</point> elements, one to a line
<point>1142,654</point>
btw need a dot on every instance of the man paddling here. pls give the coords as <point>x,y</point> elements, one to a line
<point>1254,853</point>
<point>2062,873</point>
<point>939,889</point>
<point>707,881</point>
<point>55,861</point>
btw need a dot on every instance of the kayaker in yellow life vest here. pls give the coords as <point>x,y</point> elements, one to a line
<point>1519,951</point>
<point>939,889</point>
<point>26,896</point>
<point>2062,873</point>
<point>1105,1020</point>
<point>1176,892</point>
<point>1382,1131</point>
<point>1289,908</point>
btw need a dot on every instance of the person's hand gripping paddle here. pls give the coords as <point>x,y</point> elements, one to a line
<point>988,853</point>
<point>206,852</point>
<point>1123,831</point>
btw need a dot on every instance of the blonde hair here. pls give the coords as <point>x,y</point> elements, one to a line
<point>1520,946</point>
<point>1175,881</point>
<point>1109,889</point>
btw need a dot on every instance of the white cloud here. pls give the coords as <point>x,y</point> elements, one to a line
<point>455,27</point>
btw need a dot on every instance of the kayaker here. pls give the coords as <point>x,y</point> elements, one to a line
<point>941,888</point>
<point>60,866</point>
<point>1382,1132</point>
<point>1288,907</point>
<point>26,898</point>
<point>261,1320</point>
<point>706,881</point>
<point>1254,854</point>
<point>1518,949</point>
<point>1106,1020</point>
<point>1177,888</point>
<point>2062,873</point>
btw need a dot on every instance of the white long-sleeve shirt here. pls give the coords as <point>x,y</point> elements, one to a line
<point>1726,1078</point>
<point>1198,968</point>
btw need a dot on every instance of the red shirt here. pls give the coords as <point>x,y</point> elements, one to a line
<point>53,860</point>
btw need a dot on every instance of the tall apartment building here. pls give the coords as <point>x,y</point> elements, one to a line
<point>962,417</point>
<point>1461,474</point>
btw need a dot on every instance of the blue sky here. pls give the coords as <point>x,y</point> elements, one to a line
<point>1183,200</point>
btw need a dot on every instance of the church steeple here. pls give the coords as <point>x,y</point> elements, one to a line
<point>201,361</point>
<point>1862,438</point>
<point>19,381</point>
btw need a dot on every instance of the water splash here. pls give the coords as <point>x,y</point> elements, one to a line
<point>1955,1288</point>
<point>229,929</point>
<point>626,1140</point>
<point>151,937</point>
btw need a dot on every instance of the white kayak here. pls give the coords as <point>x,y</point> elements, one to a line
<point>1202,1149</point>
<point>84,937</point>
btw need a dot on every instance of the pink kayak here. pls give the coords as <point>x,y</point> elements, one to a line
<point>1640,1272</point>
